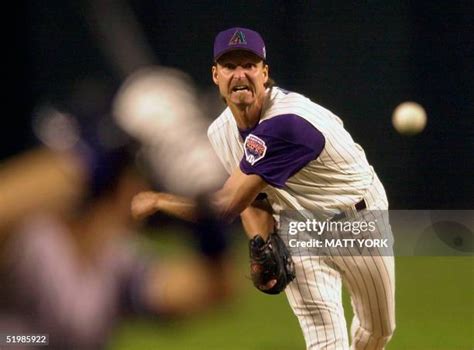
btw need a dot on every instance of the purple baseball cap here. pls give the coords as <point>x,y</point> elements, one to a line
<point>239,39</point>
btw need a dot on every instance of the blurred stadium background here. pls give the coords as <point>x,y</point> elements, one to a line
<point>358,59</point>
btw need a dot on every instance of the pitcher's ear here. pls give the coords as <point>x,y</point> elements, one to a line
<point>214,74</point>
<point>265,72</point>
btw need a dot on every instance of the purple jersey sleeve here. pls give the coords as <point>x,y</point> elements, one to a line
<point>278,148</point>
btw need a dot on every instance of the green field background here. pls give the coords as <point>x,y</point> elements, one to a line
<point>434,304</point>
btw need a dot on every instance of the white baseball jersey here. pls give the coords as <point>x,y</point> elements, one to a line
<point>340,175</point>
<point>312,163</point>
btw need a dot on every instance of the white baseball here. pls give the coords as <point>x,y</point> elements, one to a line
<point>409,118</point>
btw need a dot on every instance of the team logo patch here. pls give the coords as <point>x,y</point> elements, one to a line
<point>238,38</point>
<point>254,148</point>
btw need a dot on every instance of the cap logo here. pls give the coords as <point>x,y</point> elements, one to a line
<point>238,38</point>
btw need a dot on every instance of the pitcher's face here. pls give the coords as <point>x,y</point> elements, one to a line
<point>241,77</point>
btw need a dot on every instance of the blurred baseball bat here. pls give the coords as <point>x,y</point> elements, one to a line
<point>120,36</point>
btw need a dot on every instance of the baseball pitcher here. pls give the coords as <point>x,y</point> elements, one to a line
<point>282,149</point>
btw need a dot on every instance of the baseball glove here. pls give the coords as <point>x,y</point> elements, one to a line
<point>271,267</point>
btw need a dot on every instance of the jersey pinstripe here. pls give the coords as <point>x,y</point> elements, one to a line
<point>340,177</point>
